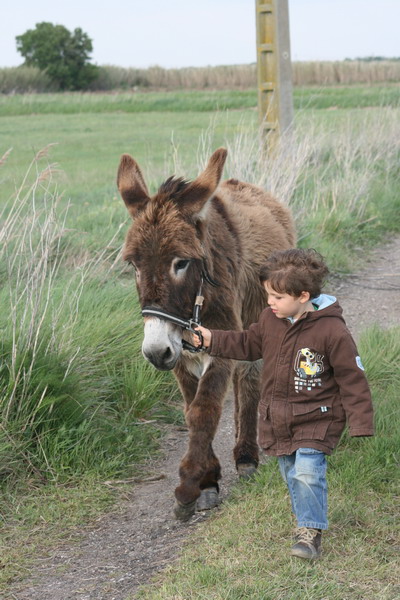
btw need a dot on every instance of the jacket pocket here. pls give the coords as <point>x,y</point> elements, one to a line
<point>310,420</point>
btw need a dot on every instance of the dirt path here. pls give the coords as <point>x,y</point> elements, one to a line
<point>128,546</point>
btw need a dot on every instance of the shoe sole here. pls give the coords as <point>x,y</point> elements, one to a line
<point>305,555</point>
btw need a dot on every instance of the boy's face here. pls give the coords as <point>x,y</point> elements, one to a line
<point>284,305</point>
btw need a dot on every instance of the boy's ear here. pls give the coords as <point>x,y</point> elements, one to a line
<point>305,297</point>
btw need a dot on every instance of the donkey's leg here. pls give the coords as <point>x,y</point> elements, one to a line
<point>200,468</point>
<point>209,489</point>
<point>189,385</point>
<point>247,395</point>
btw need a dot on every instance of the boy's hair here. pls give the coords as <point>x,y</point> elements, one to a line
<point>295,271</point>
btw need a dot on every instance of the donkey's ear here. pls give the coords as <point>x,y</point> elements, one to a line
<point>131,185</point>
<point>198,192</point>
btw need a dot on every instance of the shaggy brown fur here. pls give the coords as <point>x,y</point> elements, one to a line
<point>186,227</point>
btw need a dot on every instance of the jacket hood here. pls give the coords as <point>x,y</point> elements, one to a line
<point>323,301</point>
<point>327,306</point>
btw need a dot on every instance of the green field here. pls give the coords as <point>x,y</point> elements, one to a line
<point>351,96</point>
<point>78,403</point>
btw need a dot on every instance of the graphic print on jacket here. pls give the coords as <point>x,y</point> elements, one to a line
<point>308,364</point>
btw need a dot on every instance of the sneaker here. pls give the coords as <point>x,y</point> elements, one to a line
<point>308,543</point>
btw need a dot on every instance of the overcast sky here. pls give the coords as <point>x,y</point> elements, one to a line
<point>180,33</point>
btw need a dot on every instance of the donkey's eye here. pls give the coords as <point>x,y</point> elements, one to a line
<point>180,265</point>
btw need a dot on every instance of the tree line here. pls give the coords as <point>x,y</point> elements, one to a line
<point>63,55</point>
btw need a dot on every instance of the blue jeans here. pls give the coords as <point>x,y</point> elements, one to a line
<point>304,472</point>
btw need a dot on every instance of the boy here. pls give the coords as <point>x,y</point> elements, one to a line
<point>312,382</point>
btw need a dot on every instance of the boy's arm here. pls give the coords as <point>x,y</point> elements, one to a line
<point>239,345</point>
<point>354,390</point>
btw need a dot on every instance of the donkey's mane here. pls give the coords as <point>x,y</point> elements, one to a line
<point>173,186</point>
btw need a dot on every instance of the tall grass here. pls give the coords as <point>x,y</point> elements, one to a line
<point>68,403</point>
<point>20,80</point>
<point>77,402</point>
<point>345,72</point>
<point>339,181</point>
<point>223,77</point>
<point>322,73</point>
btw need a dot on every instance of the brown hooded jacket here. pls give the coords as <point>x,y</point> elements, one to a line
<point>312,378</point>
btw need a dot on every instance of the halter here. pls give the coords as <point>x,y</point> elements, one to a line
<point>188,324</point>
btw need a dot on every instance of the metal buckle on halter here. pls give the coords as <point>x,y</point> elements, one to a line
<point>189,324</point>
<point>187,345</point>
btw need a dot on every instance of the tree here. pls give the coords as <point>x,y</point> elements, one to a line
<point>63,55</point>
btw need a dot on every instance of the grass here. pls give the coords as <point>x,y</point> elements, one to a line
<point>347,96</point>
<point>341,159</point>
<point>40,515</point>
<point>244,551</point>
<point>339,173</point>
<point>127,102</point>
<point>178,101</point>
<point>78,404</point>
<point>352,189</point>
<point>69,356</point>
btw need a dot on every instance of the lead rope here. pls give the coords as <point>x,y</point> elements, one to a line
<point>198,304</point>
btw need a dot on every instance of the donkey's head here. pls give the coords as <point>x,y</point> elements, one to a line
<point>166,245</point>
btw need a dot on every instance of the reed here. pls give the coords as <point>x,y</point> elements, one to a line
<point>224,77</point>
<point>20,80</point>
<point>320,73</point>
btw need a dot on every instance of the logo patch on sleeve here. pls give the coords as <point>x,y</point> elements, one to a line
<point>359,363</point>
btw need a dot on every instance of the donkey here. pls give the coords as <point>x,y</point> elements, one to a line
<point>197,248</point>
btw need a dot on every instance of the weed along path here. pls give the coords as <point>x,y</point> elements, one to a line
<point>127,547</point>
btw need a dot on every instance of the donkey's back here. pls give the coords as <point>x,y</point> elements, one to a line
<point>262,225</point>
<point>251,203</point>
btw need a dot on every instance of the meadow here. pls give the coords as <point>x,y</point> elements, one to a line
<point>78,404</point>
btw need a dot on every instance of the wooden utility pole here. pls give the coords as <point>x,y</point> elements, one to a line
<point>274,70</point>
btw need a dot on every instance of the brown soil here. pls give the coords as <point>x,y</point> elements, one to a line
<point>112,559</point>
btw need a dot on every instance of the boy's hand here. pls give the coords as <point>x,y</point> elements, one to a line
<point>206,333</point>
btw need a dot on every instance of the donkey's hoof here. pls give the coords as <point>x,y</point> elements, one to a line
<point>246,470</point>
<point>183,512</point>
<point>208,499</point>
